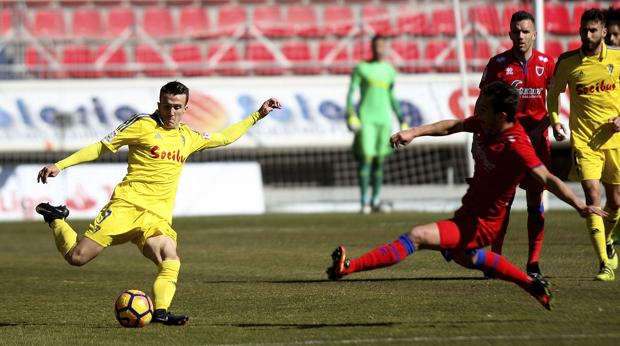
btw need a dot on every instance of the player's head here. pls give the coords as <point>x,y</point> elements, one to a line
<point>613,27</point>
<point>592,29</point>
<point>173,98</point>
<point>497,105</point>
<point>522,32</point>
<point>379,48</point>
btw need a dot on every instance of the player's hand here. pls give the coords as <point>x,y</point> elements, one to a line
<point>402,138</point>
<point>353,123</point>
<point>591,209</point>
<point>268,106</point>
<point>559,132</point>
<point>47,171</point>
<point>615,123</point>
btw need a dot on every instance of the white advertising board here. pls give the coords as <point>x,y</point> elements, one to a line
<point>313,112</point>
<point>204,189</point>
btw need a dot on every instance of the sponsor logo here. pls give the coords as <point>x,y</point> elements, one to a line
<point>526,92</point>
<point>172,155</point>
<point>597,87</point>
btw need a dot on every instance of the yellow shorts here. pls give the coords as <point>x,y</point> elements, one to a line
<point>120,222</point>
<point>601,164</point>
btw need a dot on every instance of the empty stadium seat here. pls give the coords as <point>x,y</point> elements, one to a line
<point>557,19</point>
<point>114,62</point>
<point>264,60</point>
<point>410,20</point>
<point>194,22</point>
<point>477,54</point>
<point>74,3</point>
<point>574,44</point>
<point>231,20</point>
<point>443,21</point>
<point>578,9</point>
<point>486,15</point>
<point>269,21</point>
<point>49,23</point>
<point>189,58</point>
<point>224,61</point>
<point>302,20</point>
<point>78,62</point>
<point>337,20</point>
<point>157,22</point>
<point>440,56</point>
<point>408,56</point>
<point>87,23</point>
<point>144,2</point>
<point>38,3</point>
<point>509,10</point>
<point>300,54</point>
<point>378,18</point>
<point>6,22</point>
<point>554,48</point>
<point>39,63</point>
<point>361,51</point>
<point>119,21</point>
<point>152,62</point>
<point>336,59</point>
<point>107,2</point>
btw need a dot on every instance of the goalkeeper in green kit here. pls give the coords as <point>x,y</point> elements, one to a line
<point>372,123</point>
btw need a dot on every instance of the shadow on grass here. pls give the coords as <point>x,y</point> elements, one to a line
<point>309,325</point>
<point>305,281</point>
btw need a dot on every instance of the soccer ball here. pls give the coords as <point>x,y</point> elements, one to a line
<point>133,309</point>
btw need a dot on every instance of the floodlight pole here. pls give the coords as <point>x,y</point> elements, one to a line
<point>539,16</point>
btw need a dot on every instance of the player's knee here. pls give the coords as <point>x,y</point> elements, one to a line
<point>77,258</point>
<point>417,236</point>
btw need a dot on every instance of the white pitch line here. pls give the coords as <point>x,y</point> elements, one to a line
<point>436,339</point>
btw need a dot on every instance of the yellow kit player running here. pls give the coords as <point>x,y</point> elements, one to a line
<point>140,209</point>
<point>592,74</point>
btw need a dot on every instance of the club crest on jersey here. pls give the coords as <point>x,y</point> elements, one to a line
<point>610,68</point>
<point>540,70</point>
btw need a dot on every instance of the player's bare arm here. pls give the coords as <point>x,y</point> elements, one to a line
<point>268,106</point>
<point>48,171</point>
<point>615,123</point>
<point>440,128</point>
<point>558,188</point>
<point>559,132</point>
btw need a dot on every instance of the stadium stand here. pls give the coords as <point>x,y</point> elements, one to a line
<point>302,21</point>
<point>487,17</point>
<point>87,23</point>
<point>378,19</point>
<point>337,20</point>
<point>157,22</point>
<point>411,21</point>
<point>557,19</point>
<point>189,59</point>
<point>194,22</point>
<point>120,20</point>
<point>49,23</point>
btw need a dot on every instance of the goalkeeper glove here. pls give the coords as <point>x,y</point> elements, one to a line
<point>404,126</point>
<point>353,122</point>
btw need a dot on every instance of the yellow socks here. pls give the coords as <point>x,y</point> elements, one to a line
<point>64,235</point>
<point>610,222</point>
<point>596,228</point>
<point>165,284</point>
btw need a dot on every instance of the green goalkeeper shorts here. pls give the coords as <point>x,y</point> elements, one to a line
<point>372,140</point>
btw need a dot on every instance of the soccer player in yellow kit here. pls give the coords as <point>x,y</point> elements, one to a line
<point>592,74</point>
<point>140,209</point>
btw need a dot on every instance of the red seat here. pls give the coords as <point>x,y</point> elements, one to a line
<point>264,60</point>
<point>337,20</point>
<point>412,21</point>
<point>120,20</point>
<point>477,54</point>
<point>509,10</point>
<point>336,58</point>
<point>578,10</point>
<point>189,58</point>
<point>225,59</point>
<point>231,20</point>
<point>107,2</point>
<point>557,19</point>
<point>441,57</point>
<point>378,18</point>
<point>406,56</point>
<point>194,22</point>
<point>152,62</point>
<point>487,17</point>
<point>38,3</point>
<point>114,63</point>
<point>144,2</point>
<point>49,23</point>
<point>74,3</point>
<point>361,51</point>
<point>38,63</point>
<point>554,48</point>
<point>300,54</point>
<point>443,21</point>
<point>269,21</point>
<point>6,23</point>
<point>574,44</point>
<point>78,62</point>
<point>87,23</point>
<point>302,20</point>
<point>157,22</point>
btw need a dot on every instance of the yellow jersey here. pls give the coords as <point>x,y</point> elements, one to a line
<point>594,90</point>
<point>157,155</point>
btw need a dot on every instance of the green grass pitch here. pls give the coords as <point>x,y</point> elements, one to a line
<point>259,280</point>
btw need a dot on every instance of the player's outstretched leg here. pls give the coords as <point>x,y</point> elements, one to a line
<point>168,318</point>
<point>340,263</point>
<point>541,290</point>
<point>51,213</point>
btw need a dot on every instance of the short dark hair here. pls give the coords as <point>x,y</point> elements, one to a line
<point>612,17</point>
<point>375,39</point>
<point>504,98</point>
<point>174,88</point>
<point>522,15</point>
<point>593,15</point>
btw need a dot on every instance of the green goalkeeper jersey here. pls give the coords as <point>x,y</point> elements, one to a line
<point>375,79</point>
